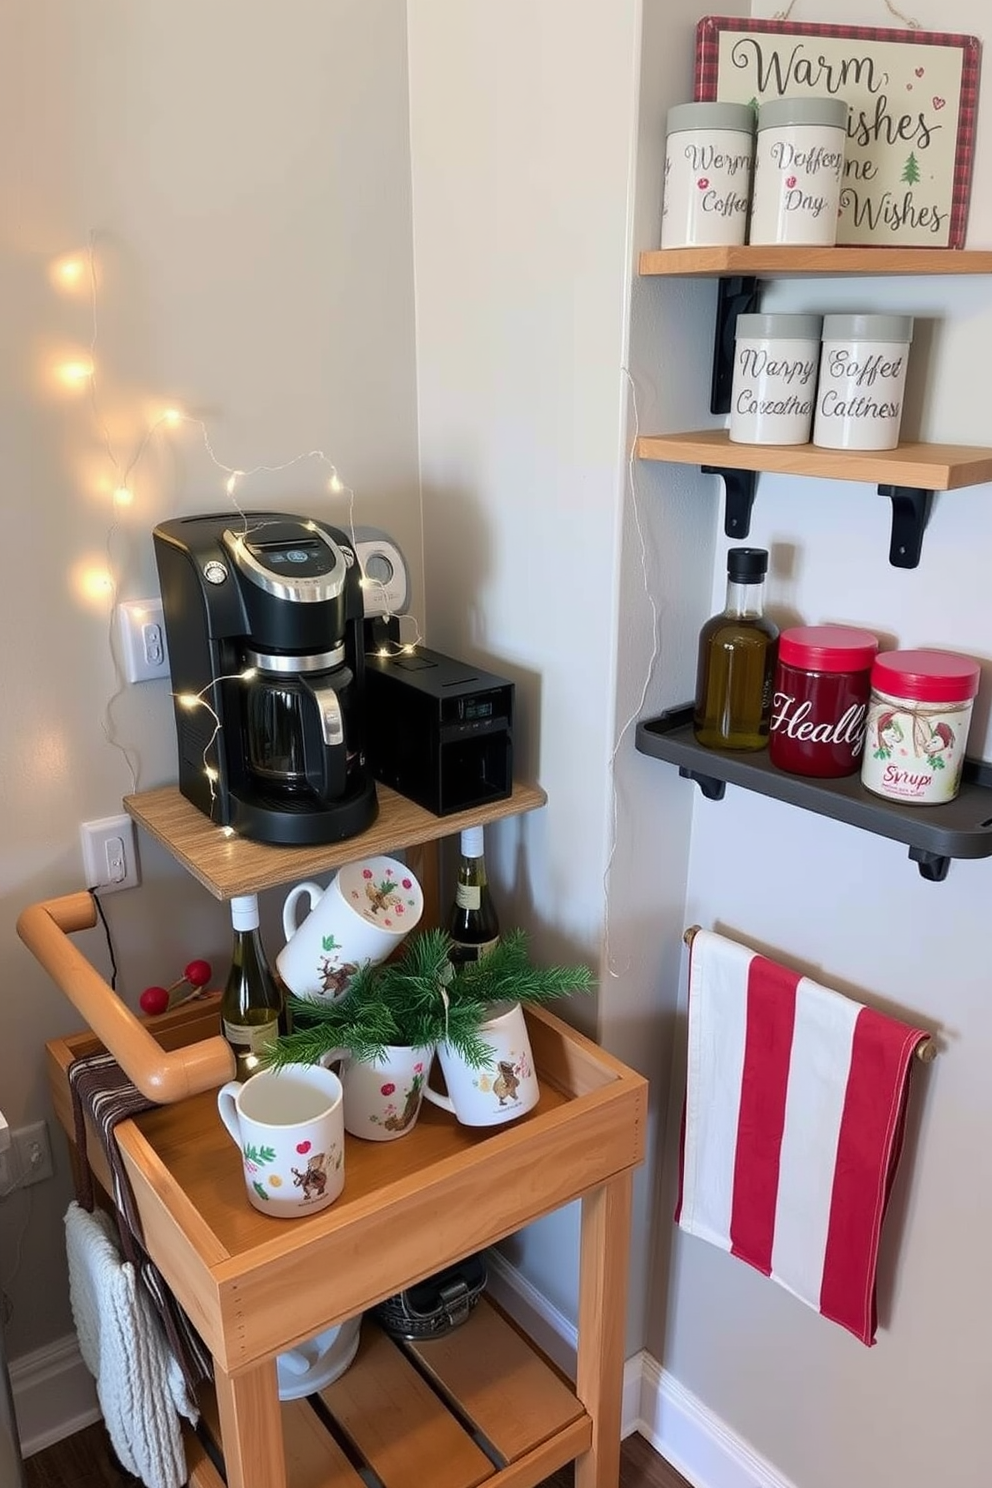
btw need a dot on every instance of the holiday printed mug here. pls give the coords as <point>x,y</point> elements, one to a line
<point>364,914</point>
<point>505,1088</point>
<point>382,1097</point>
<point>289,1126</point>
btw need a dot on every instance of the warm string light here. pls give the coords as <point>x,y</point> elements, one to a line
<point>191,700</point>
<point>71,273</point>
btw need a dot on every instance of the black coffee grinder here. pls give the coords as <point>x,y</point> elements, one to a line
<point>264,622</point>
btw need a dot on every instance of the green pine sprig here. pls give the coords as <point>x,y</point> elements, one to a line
<point>420,999</point>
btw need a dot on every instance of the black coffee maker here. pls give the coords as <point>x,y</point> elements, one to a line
<point>264,622</point>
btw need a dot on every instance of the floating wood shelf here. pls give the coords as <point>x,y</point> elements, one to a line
<point>934,834</point>
<point>781,261</point>
<point>907,475</point>
<point>934,467</point>
<point>229,865</point>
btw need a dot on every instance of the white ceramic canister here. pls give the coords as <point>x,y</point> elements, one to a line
<point>709,149</point>
<point>798,166</point>
<point>917,729</point>
<point>862,381</point>
<point>774,387</point>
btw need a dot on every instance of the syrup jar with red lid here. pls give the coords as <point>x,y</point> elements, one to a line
<point>820,704</point>
<point>918,720</point>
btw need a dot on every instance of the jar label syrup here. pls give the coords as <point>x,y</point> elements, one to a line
<point>915,754</point>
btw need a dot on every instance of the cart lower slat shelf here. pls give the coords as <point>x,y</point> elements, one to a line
<point>961,828</point>
<point>370,1416</point>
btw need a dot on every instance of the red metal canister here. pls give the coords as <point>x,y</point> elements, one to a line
<point>822,688</point>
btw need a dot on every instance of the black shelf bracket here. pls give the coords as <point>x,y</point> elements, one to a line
<point>910,513</point>
<point>712,789</point>
<point>933,867</point>
<point>737,294</point>
<point>740,486</point>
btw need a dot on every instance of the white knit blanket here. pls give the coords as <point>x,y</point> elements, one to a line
<point>138,1382</point>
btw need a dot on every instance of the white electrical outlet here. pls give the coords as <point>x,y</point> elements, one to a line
<point>34,1153</point>
<point>144,653</point>
<point>27,1160</point>
<point>110,854</point>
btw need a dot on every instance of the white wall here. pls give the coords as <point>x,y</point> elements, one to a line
<point>246,170</point>
<point>521,251</point>
<point>854,911</point>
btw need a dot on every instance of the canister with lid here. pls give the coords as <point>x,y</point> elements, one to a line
<point>774,386</point>
<point>822,686</point>
<point>798,165</point>
<point>862,381</point>
<point>709,150</point>
<point>918,719</point>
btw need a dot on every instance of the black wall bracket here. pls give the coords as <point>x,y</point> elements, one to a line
<point>910,513</point>
<point>740,486</point>
<point>738,294</point>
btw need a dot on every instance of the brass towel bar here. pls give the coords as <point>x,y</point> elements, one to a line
<point>925,1051</point>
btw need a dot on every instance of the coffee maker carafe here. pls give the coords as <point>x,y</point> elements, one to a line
<point>264,622</point>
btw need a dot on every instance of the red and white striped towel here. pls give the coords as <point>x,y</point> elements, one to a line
<point>792,1128</point>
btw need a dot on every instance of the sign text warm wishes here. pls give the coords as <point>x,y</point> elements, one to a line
<point>912,97</point>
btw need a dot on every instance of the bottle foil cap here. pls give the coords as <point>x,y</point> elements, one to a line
<point>244,911</point>
<point>472,842</point>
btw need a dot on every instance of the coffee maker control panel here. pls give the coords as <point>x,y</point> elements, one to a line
<point>305,566</point>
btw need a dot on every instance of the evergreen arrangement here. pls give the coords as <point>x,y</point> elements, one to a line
<point>421,1000</point>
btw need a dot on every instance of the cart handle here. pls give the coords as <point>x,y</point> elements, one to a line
<point>161,1076</point>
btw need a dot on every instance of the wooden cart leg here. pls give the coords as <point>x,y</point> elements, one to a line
<point>603,1264</point>
<point>251,1427</point>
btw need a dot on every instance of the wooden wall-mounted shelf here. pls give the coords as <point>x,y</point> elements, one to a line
<point>937,467</point>
<point>779,262</point>
<point>908,475</point>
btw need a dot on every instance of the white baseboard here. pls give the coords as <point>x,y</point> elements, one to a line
<point>676,1423</point>
<point>54,1395</point>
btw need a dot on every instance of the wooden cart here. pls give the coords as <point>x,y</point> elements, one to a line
<point>477,1406</point>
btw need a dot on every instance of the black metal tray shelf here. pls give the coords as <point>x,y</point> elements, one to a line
<point>961,828</point>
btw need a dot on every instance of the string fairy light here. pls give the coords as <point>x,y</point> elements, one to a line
<point>192,700</point>
<point>71,273</point>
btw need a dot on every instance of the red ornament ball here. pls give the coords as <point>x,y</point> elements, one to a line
<point>154,1000</point>
<point>198,973</point>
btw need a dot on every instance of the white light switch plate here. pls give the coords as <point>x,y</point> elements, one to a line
<point>144,653</point>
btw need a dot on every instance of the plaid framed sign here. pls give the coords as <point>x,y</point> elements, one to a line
<point>913,97</point>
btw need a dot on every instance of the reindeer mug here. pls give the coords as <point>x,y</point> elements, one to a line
<point>289,1125</point>
<point>366,911</point>
<point>506,1088</point>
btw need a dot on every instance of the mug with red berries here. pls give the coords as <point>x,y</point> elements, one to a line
<point>364,914</point>
<point>708,153</point>
<point>382,1096</point>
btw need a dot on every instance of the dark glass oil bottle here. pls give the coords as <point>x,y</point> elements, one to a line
<point>737,653</point>
<point>252,1006</point>
<point>473,923</point>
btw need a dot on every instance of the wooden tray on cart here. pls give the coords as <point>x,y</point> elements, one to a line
<point>481,1406</point>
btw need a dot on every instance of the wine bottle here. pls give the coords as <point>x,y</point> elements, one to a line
<point>252,1008</point>
<point>473,923</point>
<point>737,653</point>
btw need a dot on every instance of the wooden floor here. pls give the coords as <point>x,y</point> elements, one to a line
<point>86,1461</point>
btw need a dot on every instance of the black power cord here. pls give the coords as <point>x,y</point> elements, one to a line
<point>106,930</point>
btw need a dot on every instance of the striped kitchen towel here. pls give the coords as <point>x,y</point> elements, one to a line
<point>792,1126</point>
